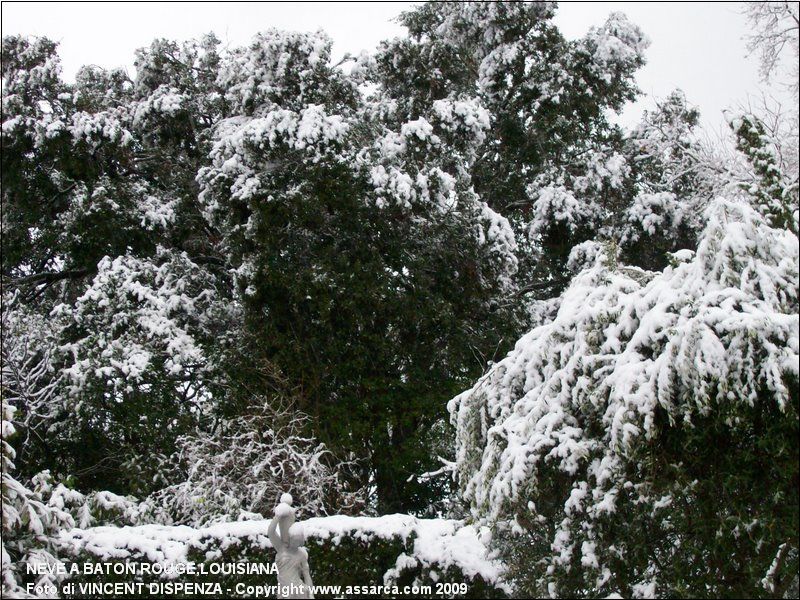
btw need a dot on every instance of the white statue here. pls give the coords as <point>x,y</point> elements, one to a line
<point>294,577</point>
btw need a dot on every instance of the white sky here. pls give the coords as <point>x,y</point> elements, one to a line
<point>698,47</point>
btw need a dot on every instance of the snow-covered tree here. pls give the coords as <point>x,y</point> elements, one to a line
<point>99,219</point>
<point>35,513</point>
<point>769,179</point>
<point>137,359</point>
<point>30,523</point>
<point>363,256</point>
<point>775,37</point>
<point>68,195</point>
<point>670,182</point>
<point>30,380</point>
<point>644,192</point>
<point>644,441</point>
<point>548,100</point>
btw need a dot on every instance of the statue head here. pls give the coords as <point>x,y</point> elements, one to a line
<point>297,536</point>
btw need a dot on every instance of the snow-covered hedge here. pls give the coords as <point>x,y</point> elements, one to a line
<point>357,551</point>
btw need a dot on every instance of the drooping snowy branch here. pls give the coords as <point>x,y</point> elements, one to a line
<point>629,356</point>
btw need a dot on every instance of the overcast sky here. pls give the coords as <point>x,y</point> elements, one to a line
<point>697,47</point>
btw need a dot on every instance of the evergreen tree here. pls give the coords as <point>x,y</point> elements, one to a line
<point>644,441</point>
<point>548,99</point>
<point>370,272</point>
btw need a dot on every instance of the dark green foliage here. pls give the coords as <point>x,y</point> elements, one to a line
<point>375,318</point>
<point>549,100</point>
<point>774,191</point>
<point>735,500</point>
<point>666,158</point>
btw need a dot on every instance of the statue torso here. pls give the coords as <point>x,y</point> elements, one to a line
<point>290,570</point>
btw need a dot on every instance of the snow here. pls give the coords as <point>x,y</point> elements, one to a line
<point>556,203</point>
<point>623,343</point>
<point>98,128</point>
<point>419,128</point>
<point>655,212</point>
<point>617,42</point>
<point>247,150</point>
<point>441,543</point>
<point>280,67</point>
<point>496,233</point>
<point>138,310</point>
<point>466,117</point>
<point>165,101</point>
